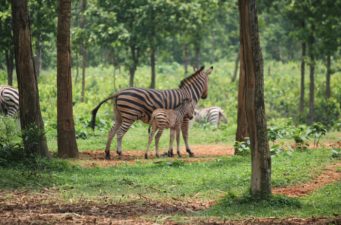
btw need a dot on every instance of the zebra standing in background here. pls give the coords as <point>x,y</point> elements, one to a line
<point>213,115</point>
<point>9,101</point>
<point>169,118</point>
<point>138,104</point>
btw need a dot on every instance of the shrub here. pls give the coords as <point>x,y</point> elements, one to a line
<point>327,112</point>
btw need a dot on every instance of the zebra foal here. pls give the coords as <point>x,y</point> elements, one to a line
<point>9,101</point>
<point>169,118</point>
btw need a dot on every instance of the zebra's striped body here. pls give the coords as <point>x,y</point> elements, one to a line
<point>138,104</point>
<point>169,118</point>
<point>9,101</point>
<point>213,115</point>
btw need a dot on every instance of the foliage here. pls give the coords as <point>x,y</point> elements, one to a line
<point>317,130</point>
<point>243,147</point>
<point>327,112</point>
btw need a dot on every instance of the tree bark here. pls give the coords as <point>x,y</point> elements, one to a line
<point>30,114</point>
<point>67,145</point>
<point>301,108</point>
<point>9,66</point>
<point>152,65</point>
<point>82,47</point>
<point>328,73</point>
<point>252,67</point>
<point>242,128</point>
<point>312,82</point>
<point>235,71</point>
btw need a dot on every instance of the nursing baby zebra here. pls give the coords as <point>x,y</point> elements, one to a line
<point>169,118</point>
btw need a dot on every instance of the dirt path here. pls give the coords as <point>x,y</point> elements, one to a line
<point>329,175</point>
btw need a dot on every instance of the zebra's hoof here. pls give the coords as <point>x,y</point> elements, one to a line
<point>190,153</point>
<point>107,156</point>
<point>179,155</point>
<point>170,154</point>
<point>146,156</point>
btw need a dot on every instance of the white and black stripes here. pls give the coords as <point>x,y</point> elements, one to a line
<point>138,104</point>
<point>213,115</point>
<point>9,101</point>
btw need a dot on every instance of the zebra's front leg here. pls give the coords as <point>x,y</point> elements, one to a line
<point>157,139</point>
<point>171,140</point>
<point>178,141</point>
<point>184,129</point>
<point>150,139</point>
<point>111,135</point>
<point>120,133</point>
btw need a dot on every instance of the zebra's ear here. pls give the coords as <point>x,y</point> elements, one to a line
<point>209,71</point>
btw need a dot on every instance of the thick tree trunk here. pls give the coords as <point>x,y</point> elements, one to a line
<point>301,106</point>
<point>67,145</point>
<point>9,66</point>
<point>37,58</point>
<point>312,83</point>
<point>252,67</point>
<point>328,73</point>
<point>152,65</point>
<point>186,59</point>
<point>30,114</point>
<point>235,71</point>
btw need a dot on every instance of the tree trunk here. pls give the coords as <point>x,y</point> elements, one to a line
<point>186,59</point>
<point>77,68</point>
<point>152,65</point>
<point>67,145</point>
<point>37,58</point>
<point>30,114</point>
<point>328,76</point>
<point>301,109</point>
<point>242,128</point>
<point>312,83</point>
<point>9,66</point>
<point>252,67</point>
<point>236,64</point>
<point>197,55</point>
<point>132,68</point>
<point>82,47</point>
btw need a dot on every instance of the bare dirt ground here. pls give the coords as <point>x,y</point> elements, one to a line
<point>45,207</point>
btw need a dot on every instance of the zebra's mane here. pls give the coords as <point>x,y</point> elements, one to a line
<point>191,77</point>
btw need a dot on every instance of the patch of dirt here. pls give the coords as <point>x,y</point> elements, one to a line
<point>39,208</point>
<point>201,153</point>
<point>329,175</point>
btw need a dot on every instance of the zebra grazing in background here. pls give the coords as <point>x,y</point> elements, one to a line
<point>213,115</point>
<point>138,104</point>
<point>9,101</point>
<point>169,118</point>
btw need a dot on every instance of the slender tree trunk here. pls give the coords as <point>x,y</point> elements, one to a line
<point>77,68</point>
<point>235,71</point>
<point>242,128</point>
<point>9,66</point>
<point>152,65</point>
<point>30,114</point>
<point>328,64</point>
<point>132,69</point>
<point>301,109</point>
<point>312,83</point>
<point>67,145</point>
<point>252,67</point>
<point>83,50</point>
<point>186,59</point>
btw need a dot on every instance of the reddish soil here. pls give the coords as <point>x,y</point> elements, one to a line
<point>201,153</point>
<point>329,175</point>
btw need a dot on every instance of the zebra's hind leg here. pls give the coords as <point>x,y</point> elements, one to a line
<point>120,133</point>
<point>157,139</point>
<point>178,142</point>
<point>171,140</point>
<point>111,135</point>
<point>150,139</point>
<point>184,129</point>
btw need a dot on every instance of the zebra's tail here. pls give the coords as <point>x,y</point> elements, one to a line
<point>149,129</point>
<point>94,111</point>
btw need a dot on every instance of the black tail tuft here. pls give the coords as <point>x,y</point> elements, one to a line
<point>149,129</point>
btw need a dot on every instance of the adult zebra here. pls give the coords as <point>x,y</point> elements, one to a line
<point>9,101</point>
<point>138,104</point>
<point>213,115</point>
